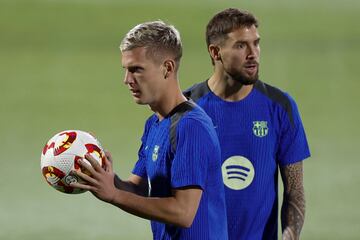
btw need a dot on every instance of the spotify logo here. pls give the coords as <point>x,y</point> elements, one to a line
<point>238,172</point>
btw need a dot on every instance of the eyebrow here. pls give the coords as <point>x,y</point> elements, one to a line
<point>244,41</point>
<point>133,68</point>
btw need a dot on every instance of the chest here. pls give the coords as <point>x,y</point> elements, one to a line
<point>157,151</point>
<point>247,129</point>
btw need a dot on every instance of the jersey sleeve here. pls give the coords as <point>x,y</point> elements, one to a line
<point>140,167</point>
<point>193,151</point>
<point>293,145</point>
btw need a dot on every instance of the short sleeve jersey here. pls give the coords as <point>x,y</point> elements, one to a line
<point>182,150</point>
<point>257,134</point>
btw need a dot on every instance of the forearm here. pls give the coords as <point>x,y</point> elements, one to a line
<point>179,209</point>
<point>293,207</point>
<point>129,186</point>
<point>292,215</point>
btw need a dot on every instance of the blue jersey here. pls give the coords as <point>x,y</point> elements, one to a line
<point>257,134</point>
<point>179,151</point>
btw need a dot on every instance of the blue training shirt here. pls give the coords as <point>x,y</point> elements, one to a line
<point>257,134</point>
<point>182,150</point>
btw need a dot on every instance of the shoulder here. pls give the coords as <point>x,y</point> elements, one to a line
<point>274,94</point>
<point>197,91</point>
<point>189,113</point>
<point>150,121</point>
<point>197,122</point>
<point>279,97</point>
<point>189,118</point>
<point>197,128</point>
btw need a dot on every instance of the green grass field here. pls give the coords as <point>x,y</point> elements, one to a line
<point>60,69</point>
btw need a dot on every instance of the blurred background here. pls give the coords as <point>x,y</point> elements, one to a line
<point>60,69</point>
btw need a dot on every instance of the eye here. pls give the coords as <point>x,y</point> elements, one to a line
<point>135,69</point>
<point>240,45</point>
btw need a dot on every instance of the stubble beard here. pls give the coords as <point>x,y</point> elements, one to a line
<point>243,79</point>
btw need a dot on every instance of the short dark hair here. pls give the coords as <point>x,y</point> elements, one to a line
<point>227,21</point>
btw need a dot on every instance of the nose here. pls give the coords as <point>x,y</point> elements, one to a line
<point>129,78</point>
<point>253,52</point>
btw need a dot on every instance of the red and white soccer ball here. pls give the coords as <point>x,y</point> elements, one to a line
<point>60,155</point>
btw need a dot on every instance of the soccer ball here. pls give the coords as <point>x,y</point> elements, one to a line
<point>60,155</point>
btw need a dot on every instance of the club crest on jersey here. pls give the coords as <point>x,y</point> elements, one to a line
<point>260,128</point>
<point>155,153</point>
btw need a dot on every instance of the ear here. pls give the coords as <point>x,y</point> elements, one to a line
<point>214,52</point>
<point>169,68</point>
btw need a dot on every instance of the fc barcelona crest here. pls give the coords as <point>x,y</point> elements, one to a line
<point>155,153</point>
<point>260,128</point>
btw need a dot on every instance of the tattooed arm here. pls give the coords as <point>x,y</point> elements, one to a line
<point>293,207</point>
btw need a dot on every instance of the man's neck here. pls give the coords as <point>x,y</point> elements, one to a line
<point>172,98</point>
<point>227,88</point>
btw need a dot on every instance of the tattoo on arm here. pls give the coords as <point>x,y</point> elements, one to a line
<point>293,207</point>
